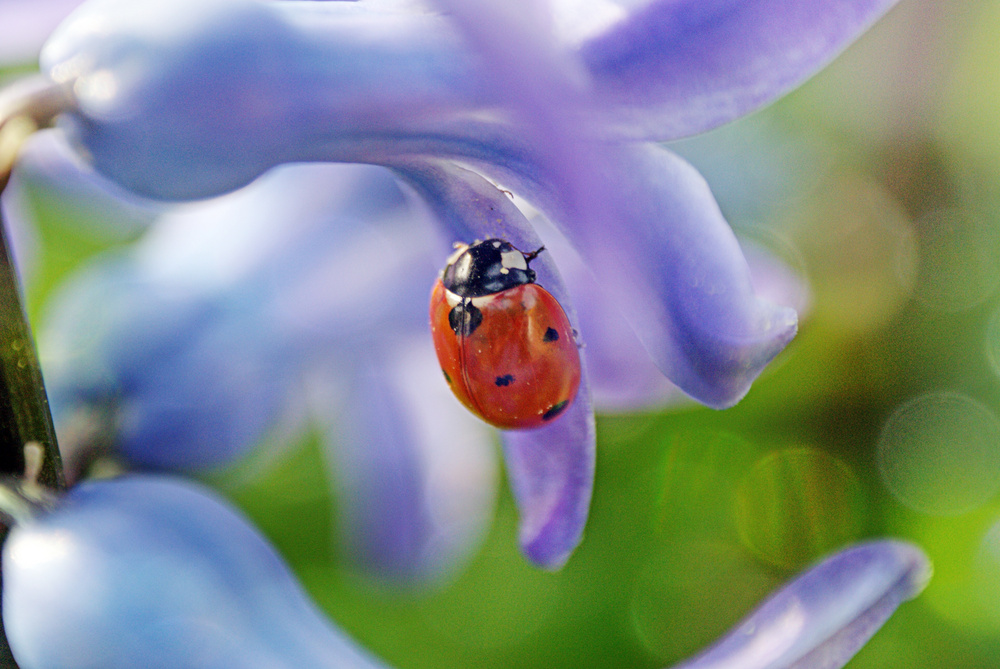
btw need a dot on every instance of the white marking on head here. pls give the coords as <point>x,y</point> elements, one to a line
<point>513,259</point>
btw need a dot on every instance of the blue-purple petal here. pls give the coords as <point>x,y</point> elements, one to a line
<point>195,344</point>
<point>823,617</point>
<point>415,473</point>
<point>622,375</point>
<point>672,69</point>
<point>164,371</point>
<point>551,471</point>
<point>680,277</point>
<point>48,167</point>
<point>184,343</point>
<point>648,227</point>
<point>551,468</point>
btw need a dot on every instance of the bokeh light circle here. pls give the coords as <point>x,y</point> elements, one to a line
<point>860,250</point>
<point>958,263</point>
<point>797,504</point>
<point>939,454</point>
<point>697,479</point>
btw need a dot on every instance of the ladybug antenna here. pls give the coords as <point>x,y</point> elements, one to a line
<point>528,257</point>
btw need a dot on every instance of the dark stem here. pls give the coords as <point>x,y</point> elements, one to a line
<point>24,408</point>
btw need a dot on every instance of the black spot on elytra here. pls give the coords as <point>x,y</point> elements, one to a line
<point>555,410</point>
<point>550,335</point>
<point>505,380</point>
<point>446,377</point>
<point>465,318</point>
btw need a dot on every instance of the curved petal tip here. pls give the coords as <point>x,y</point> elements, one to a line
<point>822,618</point>
<point>551,472</point>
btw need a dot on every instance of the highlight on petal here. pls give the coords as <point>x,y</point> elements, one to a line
<point>414,471</point>
<point>774,279</point>
<point>823,617</point>
<point>672,69</point>
<point>146,571</point>
<point>551,468</point>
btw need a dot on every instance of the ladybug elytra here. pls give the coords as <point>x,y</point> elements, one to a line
<point>505,345</point>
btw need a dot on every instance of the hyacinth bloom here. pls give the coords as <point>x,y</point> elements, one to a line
<point>559,104</point>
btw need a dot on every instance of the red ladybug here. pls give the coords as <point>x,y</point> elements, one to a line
<point>504,343</point>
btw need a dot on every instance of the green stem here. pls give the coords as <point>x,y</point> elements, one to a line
<point>24,407</point>
<point>25,420</point>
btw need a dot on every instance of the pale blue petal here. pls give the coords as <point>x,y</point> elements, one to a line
<point>823,617</point>
<point>670,69</point>
<point>49,168</point>
<point>179,343</point>
<point>415,472</point>
<point>147,571</point>
<point>551,468</point>
<point>184,383</point>
<point>192,98</point>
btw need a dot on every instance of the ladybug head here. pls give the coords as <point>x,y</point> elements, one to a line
<point>487,267</point>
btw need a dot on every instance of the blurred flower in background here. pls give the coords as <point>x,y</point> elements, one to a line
<point>873,183</point>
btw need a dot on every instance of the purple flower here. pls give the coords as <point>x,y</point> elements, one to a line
<point>190,99</point>
<point>184,100</point>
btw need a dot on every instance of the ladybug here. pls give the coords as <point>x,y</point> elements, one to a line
<point>505,344</point>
